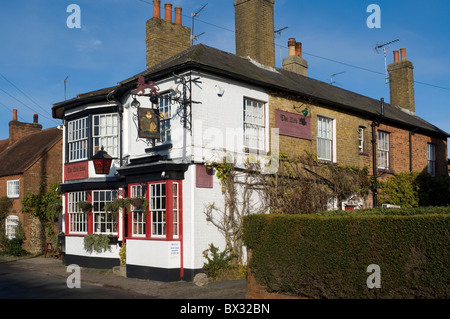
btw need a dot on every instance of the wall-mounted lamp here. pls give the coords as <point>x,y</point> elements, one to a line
<point>304,111</point>
<point>102,162</point>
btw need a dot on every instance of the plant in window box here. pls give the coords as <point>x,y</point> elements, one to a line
<point>85,206</point>
<point>96,242</point>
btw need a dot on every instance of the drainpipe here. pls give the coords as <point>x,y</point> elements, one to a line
<point>374,164</point>
<point>374,124</point>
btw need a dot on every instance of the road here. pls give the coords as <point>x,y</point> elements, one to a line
<point>19,283</point>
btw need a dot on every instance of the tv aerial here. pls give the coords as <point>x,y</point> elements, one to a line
<point>334,75</point>
<point>385,46</point>
<point>195,15</point>
<point>281,44</point>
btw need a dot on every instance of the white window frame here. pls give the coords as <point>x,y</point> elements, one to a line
<point>11,223</point>
<point>158,209</point>
<point>165,114</point>
<point>105,133</point>
<point>175,210</point>
<point>103,221</point>
<point>431,159</point>
<point>383,150</point>
<point>254,113</point>
<point>77,218</point>
<point>326,132</point>
<point>13,188</point>
<point>138,228</point>
<point>361,131</point>
<point>77,139</point>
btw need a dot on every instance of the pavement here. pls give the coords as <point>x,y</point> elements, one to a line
<point>231,289</point>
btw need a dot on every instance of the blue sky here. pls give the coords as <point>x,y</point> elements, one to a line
<point>39,51</point>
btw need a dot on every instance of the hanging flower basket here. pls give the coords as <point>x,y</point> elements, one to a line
<point>137,203</point>
<point>86,207</point>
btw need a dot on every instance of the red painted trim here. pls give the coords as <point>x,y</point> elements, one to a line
<point>90,219</point>
<point>180,226</point>
<point>169,210</point>
<point>66,213</point>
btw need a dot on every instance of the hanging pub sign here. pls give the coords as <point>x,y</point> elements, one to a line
<point>148,119</point>
<point>149,125</point>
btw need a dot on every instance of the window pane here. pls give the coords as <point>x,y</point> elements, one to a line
<point>158,208</point>
<point>105,133</point>
<point>104,222</point>
<point>254,125</point>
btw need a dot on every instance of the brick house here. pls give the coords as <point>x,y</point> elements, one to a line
<point>30,157</point>
<point>210,100</point>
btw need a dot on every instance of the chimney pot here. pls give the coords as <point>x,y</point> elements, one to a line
<point>298,49</point>
<point>168,12</point>
<point>178,11</point>
<point>396,59</point>
<point>403,54</point>
<point>35,118</point>
<point>157,9</point>
<point>291,45</point>
<point>14,115</point>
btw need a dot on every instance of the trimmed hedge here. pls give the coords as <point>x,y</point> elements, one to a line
<point>326,255</point>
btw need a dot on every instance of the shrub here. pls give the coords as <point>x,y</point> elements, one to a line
<point>13,246</point>
<point>218,262</point>
<point>326,255</point>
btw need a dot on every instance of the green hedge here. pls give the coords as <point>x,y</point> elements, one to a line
<point>326,255</point>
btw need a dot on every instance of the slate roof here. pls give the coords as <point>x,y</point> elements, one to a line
<point>17,158</point>
<point>203,58</point>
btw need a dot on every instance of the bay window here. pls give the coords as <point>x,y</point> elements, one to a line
<point>138,214</point>
<point>77,218</point>
<point>87,135</point>
<point>105,133</point>
<point>158,209</point>
<point>104,222</point>
<point>77,139</point>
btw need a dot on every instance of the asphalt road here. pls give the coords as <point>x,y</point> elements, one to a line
<point>19,283</point>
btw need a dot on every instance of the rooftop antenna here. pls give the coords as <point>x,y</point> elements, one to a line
<point>281,44</point>
<point>195,37</point>
<point>334,75</point>
<point>195,15</point>
<point>65,90</point>
<point>385,47</point>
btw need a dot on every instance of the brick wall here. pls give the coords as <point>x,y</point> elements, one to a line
<point>164,40</point>
<point>46,169</point>
<point>347,152</point>
<point>254,21</point>
<point>17,130</point>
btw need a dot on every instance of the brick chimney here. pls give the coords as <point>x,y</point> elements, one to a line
<point>401,82</point>
<point>18,130</point>
<point>164,37</point>
<point>255,36</point>
<point>294,62</point>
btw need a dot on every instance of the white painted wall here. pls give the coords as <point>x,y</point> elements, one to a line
<point>75,246</point>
